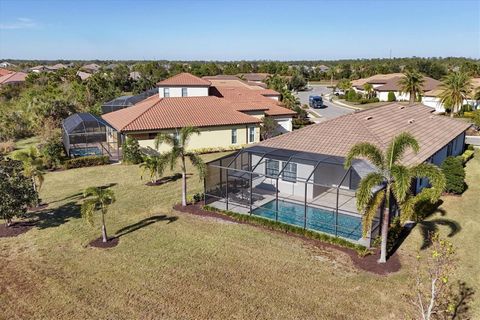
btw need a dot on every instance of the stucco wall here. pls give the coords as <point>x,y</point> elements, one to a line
<point>383,96</point>
<point>209,137</point>
<point>284,124</point>
<point>191,91</point>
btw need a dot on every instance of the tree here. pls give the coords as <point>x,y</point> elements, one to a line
<point>97,199</point>
<point>454,173</point>
<point>16,190</point>
<point>391,96</point>
<point>368,87</point>
<point>32,168</point>
<point>297,82</point>
<point>396,180</point>
<point>131,151</point>
<point>289,99</point>
<point>412,83</point>
<point>344,85</point>
<point>154,165</point>
<point>456,87</point>
<point>268,128</point>
<point>178,150</point>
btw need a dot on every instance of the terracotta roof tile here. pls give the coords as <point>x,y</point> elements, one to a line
<point>4,72</point>
<point>15,77</point>
<point>378,126</point>
<point>184,79</point>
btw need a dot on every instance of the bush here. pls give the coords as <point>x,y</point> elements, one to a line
<point>454,173</point>
<point>131,151</point>
<point>391,96</point>
<point>468,114</point>
<point>371,100</point>
<point>351,95</point>
<point>467,155</point>
<point>7,147</point>
<point>466,108</point>
<point>88,161</point>
<point>52,152</point>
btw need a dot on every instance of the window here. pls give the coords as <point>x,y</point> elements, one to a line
<point>166,92</point>
<point>176,135</point>
<point>234,136</point>
<point>152,135</point>
<point>251,134</point>
<point>289,172</point>
<point>184,92</point>
<point>271,168</point>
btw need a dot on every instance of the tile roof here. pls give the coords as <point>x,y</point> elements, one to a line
<point>394,85</point>
<point>438,90</point>
<point>157,113</point>
<point>15,77</point>
<point>184,79</point>
<point>378,126</point>
<point>4,72</point>
<point>254,76</point>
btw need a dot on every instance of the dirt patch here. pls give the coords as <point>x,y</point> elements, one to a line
<point>98,243</point>
<point>368,263</point>
<point>15,229</point>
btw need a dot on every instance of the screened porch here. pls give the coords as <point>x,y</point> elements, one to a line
<point>308,190</point>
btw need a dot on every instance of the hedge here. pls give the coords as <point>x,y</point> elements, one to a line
<point>274,225</point>
<point>467,155</point>
<point>454,173</point>
<point>87,161</point>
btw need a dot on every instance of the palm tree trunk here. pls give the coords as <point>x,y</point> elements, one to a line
<point>35,190</point>
<point>385,224</point>
<point>184,183</point>
<point>412,98</point>
<point>104,229</point>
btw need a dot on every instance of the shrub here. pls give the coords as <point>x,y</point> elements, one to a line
<point>391,96</point>
<point>454,173</point>
<point>88,161</point>
<point>468,114</point>
<point>351,95</point>
<point>467,155</point>
<point>466,108</point>
<point>371,100</point>
<point>52,152</point>
<point>131,151</point>
<point>7,147</point>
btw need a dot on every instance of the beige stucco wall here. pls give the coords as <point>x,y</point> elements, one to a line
<point>209,137</point>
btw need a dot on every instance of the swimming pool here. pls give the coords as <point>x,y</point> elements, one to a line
<point>317,219</point>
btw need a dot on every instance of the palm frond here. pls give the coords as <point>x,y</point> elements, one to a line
<point>186,133</point>
<point>435,177</point>
<point>90,191</point>
<point>364,192</point>
<point>399,145</point>
<point>371,211</point>
<point>198,163</point>
<point>367,150</point>
<point>402,181</point>
<point>88,208</point>
<point>164,138</point>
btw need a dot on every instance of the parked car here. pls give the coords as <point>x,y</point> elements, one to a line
<point>339,92</point>
<point>315,102</point>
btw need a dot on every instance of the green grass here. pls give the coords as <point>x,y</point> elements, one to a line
<point>177,266</point>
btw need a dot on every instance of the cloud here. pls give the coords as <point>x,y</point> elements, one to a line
<point>19,23</point>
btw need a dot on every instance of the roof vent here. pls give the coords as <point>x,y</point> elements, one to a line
<point>411,121</point>
<point>368,118</point>
<point>401,107</point>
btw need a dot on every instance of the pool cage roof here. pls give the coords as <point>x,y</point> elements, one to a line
<point>127,101</point>
<point>79,123</point>
<point>362,168</point>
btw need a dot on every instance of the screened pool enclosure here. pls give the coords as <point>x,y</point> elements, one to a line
<point>309,190</point>
<point>86,135</point>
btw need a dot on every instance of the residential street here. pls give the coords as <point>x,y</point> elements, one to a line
<point>330,110</point>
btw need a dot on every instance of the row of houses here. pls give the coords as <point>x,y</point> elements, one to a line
<point>385,84</point>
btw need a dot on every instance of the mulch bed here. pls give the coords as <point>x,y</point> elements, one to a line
<point>98,243</point>
<point>368,263</point>
<point>15,229</point>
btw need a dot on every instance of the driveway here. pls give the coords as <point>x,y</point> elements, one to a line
<point>330,109</point>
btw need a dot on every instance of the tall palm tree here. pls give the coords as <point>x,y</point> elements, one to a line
<point>178,144</point>
<point>456,87</point>
<point>396,180</point>
<point>412,83</point>
<point>32,168</point>
<point>98,200</point>
<point>368,87</point>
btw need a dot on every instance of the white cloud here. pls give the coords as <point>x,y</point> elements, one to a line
<point>19,23</point>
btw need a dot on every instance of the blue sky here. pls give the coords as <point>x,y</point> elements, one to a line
<point>236,30</point>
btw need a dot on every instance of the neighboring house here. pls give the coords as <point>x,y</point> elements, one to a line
<point>432,98</point>
<point>91,68</point>
<point>56,67</point>
<point>37,69</point>
<point>299,178</point>
<point>254,77</point>
<point>385,83</point>
<point>323,68</point>
<point>6,64</point>
<point>83,75</point>
<point>135,75</point>
<point>4,72</point>
<point>236,82</point>
<point>13,78</point>
<point>183,85</point>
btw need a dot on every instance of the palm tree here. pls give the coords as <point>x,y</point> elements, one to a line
<point>412,83</point>
<point>396,180</point>
<point>32,168</point>
<point>98,200</point>
<point>345,85</point>
<point>154,165</point>
<point>178,144</point>
<point>368,87</point>
<point>456,87</point>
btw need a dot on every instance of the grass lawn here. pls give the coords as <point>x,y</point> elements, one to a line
<point>175,265</point>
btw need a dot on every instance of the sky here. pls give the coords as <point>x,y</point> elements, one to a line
<point>237,30</point>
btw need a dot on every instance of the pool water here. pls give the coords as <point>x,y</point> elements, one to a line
<point>317,219</point>
<point>89,151</point>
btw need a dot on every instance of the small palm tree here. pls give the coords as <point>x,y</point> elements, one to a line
<point>412,83</point>
<point>32,168</point>
<point>178,144</point>
<point>456,87</point>
<point>396,180</point>
<point>98,199</point>
<point>368,87</point>
<point>154,165</point>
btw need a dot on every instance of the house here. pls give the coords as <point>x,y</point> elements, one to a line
<point>38,69</point>
<point>432,98</point>
<point>299,178</point>
<point>13,78</point>
<point>56,67</point>
<point>6,64</point>
<point>4,72</point>
<point>134,75</point>
<point>254,77</point>
<point>236,82</point>
<point>91,68</point>
<point>227,117</point>
<point>385,83</point>
<point>323,68</point>
<point>83,75</point>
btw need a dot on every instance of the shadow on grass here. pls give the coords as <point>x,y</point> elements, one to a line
<point>79,195</point>
<point>461,299</point>
<point>55,217</point>
<point>143,223</point>
<point>167,179</point>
